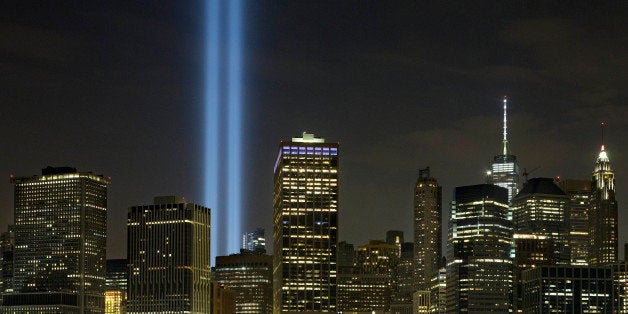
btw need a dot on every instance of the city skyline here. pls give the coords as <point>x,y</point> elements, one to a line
<point>128,80</point>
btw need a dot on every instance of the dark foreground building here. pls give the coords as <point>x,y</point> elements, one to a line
<point>250,276</point>
<point>169,260</point>
<point>567,289</point>
<point>479,267</point>
<point>60,239</point>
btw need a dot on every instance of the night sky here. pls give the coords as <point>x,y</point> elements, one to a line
<point>116,88</point>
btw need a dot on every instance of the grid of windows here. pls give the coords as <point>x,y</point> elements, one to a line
<point>60,238</point>
<point>603,214</point>
<point>305,233</point>
<point>169,257</point>
<point>567,289</point>
<point>249,275</point>
<point>479,265</point>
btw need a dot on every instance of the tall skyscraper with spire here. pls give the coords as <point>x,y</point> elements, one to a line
<point>603,211</point>
<point>504,169</point>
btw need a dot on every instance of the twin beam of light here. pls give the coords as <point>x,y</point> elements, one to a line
<point>223,123</point>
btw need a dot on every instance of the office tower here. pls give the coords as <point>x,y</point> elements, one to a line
<point>345,253</point>
<point>369,286</point>
<point>305,225</point>
<point>222,299</point>
<point>504,169</point>
<point>568,289</point>
<point>579,193</point>
<point>7,245</point>
<point>376,263</point>
<point>541,208</point>
<point>433,300</point>
<point>439,291</point>
<point>345,256</point>
<point>533,251</point>
<point>427,229</point>
<point>254,241</point>
<point>401,300</point>
<point>541,223</point>
<point>250,276</point>
<point>479,266</point>
<point>603,213</point>
<point>60,237</point>
<point>116,286</point>
<point>169,257</point>
<point>619,273</point>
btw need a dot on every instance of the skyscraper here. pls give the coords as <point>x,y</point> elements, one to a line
<point>60,239</point>
<point>169,257</point>
<point>504,169</point>
<point>603,213</point>
<point>427,229</point>
<point>541,209</point>
<point>579,193</point>
<point>305,234</point>
<point>479,266</point>
<point>369,285</point>
<point>401,302</point>
<point>250,276</point>
<point>254,241</point>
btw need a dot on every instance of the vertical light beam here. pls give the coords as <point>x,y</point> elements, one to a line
<point>234,120</point>
<point>212,103</point>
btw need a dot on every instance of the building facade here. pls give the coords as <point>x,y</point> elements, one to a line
<point>603,213</point>
<point>116,286</point>
<point>567,289</point>
<point>541,208</point>
<point>305,235</point>
<point>169,257</point>
<point>479,275</point>
<point>579,193</point>
<point>250,276</point>
<point>427,229</point>
<point>401,302</point>
<point>7,245</point>
<point>60,240</point>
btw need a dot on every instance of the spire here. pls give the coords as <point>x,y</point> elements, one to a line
<point>603,156</point>
<point>505,127</point>
<point>602,125</point>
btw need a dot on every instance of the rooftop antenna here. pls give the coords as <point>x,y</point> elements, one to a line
<point>602,125</point>
<point>505,126</point>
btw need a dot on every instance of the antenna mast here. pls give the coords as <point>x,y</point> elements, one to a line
<point>602,125</point>
<point>505,126</point>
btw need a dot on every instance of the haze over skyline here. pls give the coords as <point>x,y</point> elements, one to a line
<point>116,88</point>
